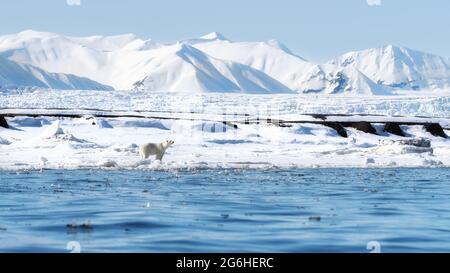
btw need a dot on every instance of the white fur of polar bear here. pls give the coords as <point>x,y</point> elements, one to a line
<point>158,149</point>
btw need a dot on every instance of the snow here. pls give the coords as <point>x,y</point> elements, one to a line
<point>56,53</point>
<point>197,146</point>
<point>202,140</point>
<point>211,63</point>
<point>16,75</point>
<point>412,104</point>
<point>210,37</point>
<point>399,67</point>
<point>183,91</point>
<point>183,68</point>
<point>301,76</point>
<point>127,62</point>
<point>4,141</point>
<point>53,130</point>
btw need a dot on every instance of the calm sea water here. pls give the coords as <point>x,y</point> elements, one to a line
<point>297,210</point>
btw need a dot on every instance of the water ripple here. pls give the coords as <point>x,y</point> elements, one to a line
<point>296,210</point>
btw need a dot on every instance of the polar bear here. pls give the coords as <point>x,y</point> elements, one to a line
<point>158,149</point>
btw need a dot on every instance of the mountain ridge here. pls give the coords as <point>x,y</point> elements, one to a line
<point>399,67</point>
<point>214,63</point>
<point>15,75</point>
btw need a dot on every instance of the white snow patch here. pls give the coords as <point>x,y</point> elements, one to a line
<point>251,146</point>
<point>53,130</point>
<point>4,141</point>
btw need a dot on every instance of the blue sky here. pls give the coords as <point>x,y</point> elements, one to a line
<point>315,29</point>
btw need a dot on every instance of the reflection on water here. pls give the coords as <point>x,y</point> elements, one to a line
<point>292,210</point>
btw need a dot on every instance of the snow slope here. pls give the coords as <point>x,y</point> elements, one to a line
<point>210,63</point>
<point>399,67</point>
<point>181,67</point>
<point>277,61</point>
<point>17,75</point>
<point>127,62</point>
<point>213,63</point>
<point>55,53</point>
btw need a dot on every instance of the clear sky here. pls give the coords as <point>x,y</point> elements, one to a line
<point>316,29</point>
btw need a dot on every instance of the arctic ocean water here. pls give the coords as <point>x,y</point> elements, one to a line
<point>294,210</point>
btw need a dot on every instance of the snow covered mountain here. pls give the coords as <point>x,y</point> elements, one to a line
<point>127,62</point>
<point>181,67</point>
<point>399,67</point>
<point>85,57</point>
<point>277,61</point>
<point>17,75</point>
<point>213,63</point>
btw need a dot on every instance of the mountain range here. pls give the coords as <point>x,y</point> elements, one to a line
<point>399,67</point>
<point>211,63</point>
<point>15,75</point>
